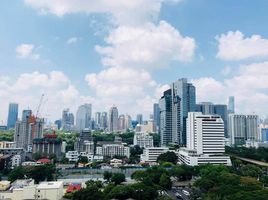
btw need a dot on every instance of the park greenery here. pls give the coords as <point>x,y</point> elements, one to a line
<point>260,154</point>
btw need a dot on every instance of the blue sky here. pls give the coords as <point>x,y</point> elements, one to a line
<point>138,55</point>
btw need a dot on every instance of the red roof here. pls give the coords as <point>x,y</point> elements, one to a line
<point>44,161</point>
<point>72,188</point>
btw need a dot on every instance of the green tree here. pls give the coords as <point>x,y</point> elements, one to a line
<point>165,181</point>
<point>121,192</point>
<point>168,157</point>
<point>107,176</point>
<point>82,159</point>
<point>16,173</point>
<point>118,178</point>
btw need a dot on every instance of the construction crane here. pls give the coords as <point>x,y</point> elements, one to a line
<point>39,106</point>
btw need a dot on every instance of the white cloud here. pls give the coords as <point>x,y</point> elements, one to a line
<point>27,51</point>
<point>28,87</point>
<point>72,40</point>
<point>122,11</point>
<point>132,90</point>
<point>249,86</point>
<point>148,46</point>
<point>235,46</point>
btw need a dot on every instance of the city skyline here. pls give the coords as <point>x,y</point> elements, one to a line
<point>91,54</point>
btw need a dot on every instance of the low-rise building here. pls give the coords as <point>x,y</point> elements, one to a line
<point>143,140</point>
<point>26,189</point>
<point>111,150</point>
<point>4,185</point>
<point>50,190</point>
<point>72,156</point>
<point>151,154</point>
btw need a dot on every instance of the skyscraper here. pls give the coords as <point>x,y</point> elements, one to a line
<point>12,115</point>
<point>97,120</point>
<point>139,119</point>
<point>104,121</point>
<point>67,120</point>
<point>121,123</point>
<point>113,119</point>
<point>83,117</point>
<point>165,127</point>
<point>156,114</point>
<point>183,100</point>
<point>231,105</point>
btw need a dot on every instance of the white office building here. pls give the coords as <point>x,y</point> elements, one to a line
<point>111,150</point>
<point>72,156</point>
<point>205,140</point>
<point>151,154</point>
<point>143,140</point>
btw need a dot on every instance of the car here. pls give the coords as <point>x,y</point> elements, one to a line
<point>186,192</point>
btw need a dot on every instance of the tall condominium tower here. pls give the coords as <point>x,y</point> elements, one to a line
<point>12,115</point>
<point>156,114</point>
<point>183,100</point>
<point>231,105</point>
<point>113,119</point>
<point>67,120</point>
<point>97,119</point>
<point>83,117</point>
<point>104,121</point>
<point>139,119</point>
<point>242,128</point>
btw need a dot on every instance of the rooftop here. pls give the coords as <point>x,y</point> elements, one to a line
<point>50,185</point>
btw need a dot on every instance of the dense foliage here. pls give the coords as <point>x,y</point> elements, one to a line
<point>7,135</point>
<point>220,182</point>
<point>168,157</point>
<point>38,173</point>
<point>260,154</point>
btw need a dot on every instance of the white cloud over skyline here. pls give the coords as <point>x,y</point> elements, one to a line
<point>235,46</point>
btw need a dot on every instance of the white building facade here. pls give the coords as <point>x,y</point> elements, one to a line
<point>151,154</point>
<point>143,140</point>
<point>205,141</point>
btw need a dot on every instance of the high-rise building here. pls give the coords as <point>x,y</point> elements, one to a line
<point>139,119</point>
<point>104,121</point>
<point>128,122</point>
<point>205,140</point>
<point>121,123</point>
<point>208,108</point>
<point>97,120</point>
<point>113,119</point>
<point>67,120</point>
<point>156,114</point>
<point>83,117</point>
<point>26,114</point>
<point>183,100</point>
<point>58,124</point>
<point>26,131</point>
<point>12,115</point>
<point>242,128</point>
<point>165,128</point>
<point>231,105</point>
